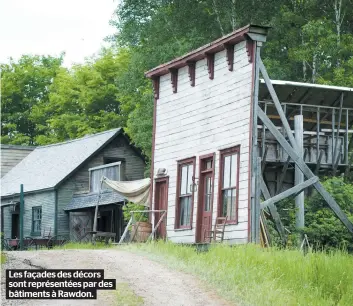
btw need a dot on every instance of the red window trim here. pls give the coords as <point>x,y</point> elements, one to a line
<point>223,153</point>
<point>191,160</point>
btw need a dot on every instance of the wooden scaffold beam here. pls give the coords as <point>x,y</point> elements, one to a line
<point>292,149</point>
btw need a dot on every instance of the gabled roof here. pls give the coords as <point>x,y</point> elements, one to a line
<point>47,166</point>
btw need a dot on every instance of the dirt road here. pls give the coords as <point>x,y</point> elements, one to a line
<point>155,283</point>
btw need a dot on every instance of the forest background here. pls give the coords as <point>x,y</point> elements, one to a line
<point>43,102</point>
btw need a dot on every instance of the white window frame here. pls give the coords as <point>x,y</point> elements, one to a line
<point>102,167</point>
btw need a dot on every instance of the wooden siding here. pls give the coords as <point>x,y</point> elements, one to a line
<point>64,197</point>
<point>45,199</point>
<point>213,115</point>
<point>11,156</point>
<point>119,148</point>
<point>79,181</point>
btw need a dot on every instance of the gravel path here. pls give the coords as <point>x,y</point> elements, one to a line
<point>155,283</point>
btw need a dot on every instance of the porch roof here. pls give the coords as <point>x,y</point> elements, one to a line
<point>308,94</point>
<point>88,200</point>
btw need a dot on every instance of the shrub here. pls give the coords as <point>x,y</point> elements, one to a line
<point>143,217</point>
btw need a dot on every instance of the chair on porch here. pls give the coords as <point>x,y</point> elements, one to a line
<point>217,234</point>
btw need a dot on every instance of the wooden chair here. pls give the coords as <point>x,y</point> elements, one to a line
<point>217,234</point>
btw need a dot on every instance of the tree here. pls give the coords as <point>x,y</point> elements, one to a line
<point>25,83</point>
<point>84,99</point>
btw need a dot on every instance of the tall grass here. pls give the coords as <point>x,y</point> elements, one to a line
<point>3,257</point>
<point>248,274</point>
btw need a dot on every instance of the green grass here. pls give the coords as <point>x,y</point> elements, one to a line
<point>125,296</point>
<point>3,258</point>
<point>77,246</point>
<point>248,274</point>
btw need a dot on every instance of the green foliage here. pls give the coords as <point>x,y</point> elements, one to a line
<point>140,216</point>
<point>24,85</point>
<point>322,226</point>
<point>3,258</point>
<point>251,275</point>
<point>43,102</point>
<point>126,296</point>
<point>324,230</point>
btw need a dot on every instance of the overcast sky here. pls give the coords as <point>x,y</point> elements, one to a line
<point>76,27</point>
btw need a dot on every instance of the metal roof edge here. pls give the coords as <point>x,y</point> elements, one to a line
<point>310,85</point>
<point>79,139</point>
<point>26,192</point>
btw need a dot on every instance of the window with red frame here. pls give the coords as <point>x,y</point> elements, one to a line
<point>229,182</point>
<point>184,193</point>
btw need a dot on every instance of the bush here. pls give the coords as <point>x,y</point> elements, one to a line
<point>142,217</point>
<point>324,229</point>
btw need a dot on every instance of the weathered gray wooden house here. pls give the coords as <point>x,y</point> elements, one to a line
<point>61,185</point>
<point>214,117</point>
<point>11,155</point>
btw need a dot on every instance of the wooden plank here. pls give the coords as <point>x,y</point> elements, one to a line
<point>306,170</point>
<point>277,105</point>
<point>337,132</point>
<point>298,175</point>
<point>307,120</point>
<point>255,164</point>
<point>283,175</point>
<point>333,136</point>
<point>318,133</point>
<point>156,227</point>
<point>257,201</point>
<point>318,163</point>
<point>346,139</point>
<point>290,192</point>
<point>125,231</point>
<point>263,166</point>
<point>273,211</point>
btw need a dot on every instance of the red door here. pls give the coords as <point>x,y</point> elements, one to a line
<point>161,203</point>
<point>206,215</point>
<point>204,206</point>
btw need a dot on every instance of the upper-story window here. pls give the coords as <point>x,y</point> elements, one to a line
<point>111,171</point>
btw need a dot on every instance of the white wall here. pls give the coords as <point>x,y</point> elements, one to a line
<point>213,115</point>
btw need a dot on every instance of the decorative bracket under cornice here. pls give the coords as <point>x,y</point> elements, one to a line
<point>192,70</point>
<point>156,87</point>
<point>230,55</point>
<point>174,79</point>
<point>210,65</point>
<point>250,49</point>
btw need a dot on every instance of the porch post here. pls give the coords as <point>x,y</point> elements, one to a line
<point>21,216</point>
<point>299,176</point>
<point>254,149</point>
